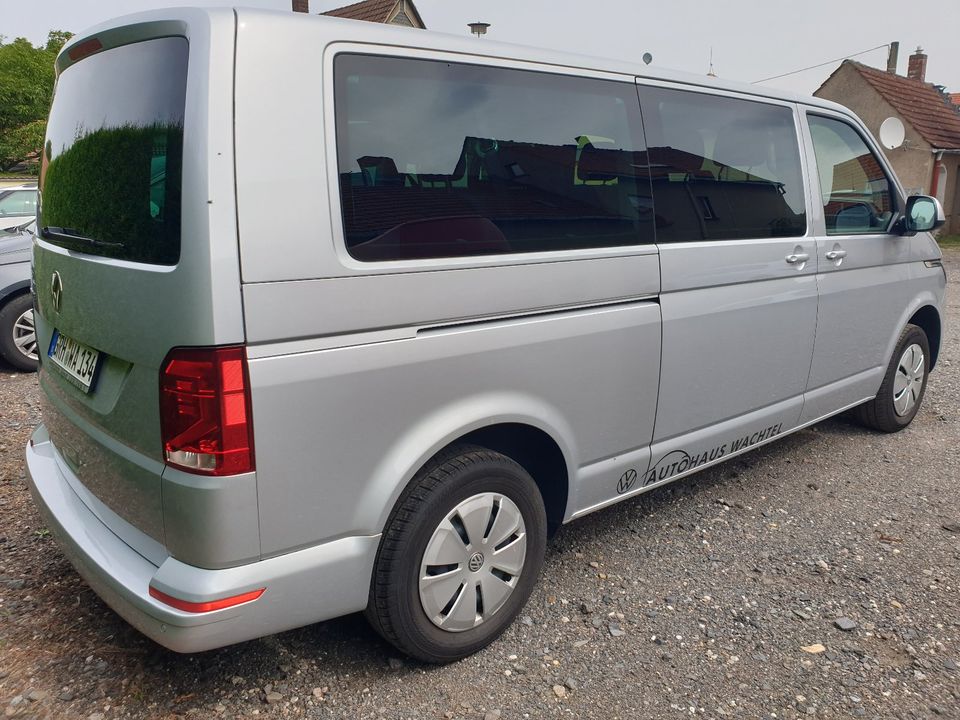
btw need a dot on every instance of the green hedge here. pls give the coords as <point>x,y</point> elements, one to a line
<point>100,187</point>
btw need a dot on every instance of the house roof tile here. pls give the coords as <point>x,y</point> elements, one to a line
<point>919,103</point>
<point>370,10</point>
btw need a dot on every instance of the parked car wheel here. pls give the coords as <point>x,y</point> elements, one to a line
<point>18,336</point>
<point>459,557</point>
<point>903,386</point>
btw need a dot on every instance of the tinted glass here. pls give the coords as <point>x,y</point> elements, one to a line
<point>110,179</point>
<point>18,202</point>
<point>855,191</point>
<point>443,160</point>
<point>722,168</point>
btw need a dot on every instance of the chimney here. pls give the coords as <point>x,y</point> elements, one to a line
<point>893,56</point>
<point>301,6</point>
<point>917,67</point>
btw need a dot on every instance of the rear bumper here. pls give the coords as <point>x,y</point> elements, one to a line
<point>302,587</point>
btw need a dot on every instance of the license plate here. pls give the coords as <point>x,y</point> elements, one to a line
<point>77,360</point>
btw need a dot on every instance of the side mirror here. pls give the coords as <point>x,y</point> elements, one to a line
<point>922,214</point>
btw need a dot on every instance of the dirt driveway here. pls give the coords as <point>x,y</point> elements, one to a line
<point>817,577</point>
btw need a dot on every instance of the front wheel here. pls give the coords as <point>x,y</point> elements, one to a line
<point>903,386</point>
<point>459,557</point>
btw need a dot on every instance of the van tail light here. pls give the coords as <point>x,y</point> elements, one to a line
<point>205,412</point>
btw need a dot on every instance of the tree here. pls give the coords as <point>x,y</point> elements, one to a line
<point>26,86</point>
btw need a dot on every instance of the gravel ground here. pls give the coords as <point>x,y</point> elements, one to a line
<point>816,577</point>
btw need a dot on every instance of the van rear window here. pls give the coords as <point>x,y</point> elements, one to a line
<point>110,175</point>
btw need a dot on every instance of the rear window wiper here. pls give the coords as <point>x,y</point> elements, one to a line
<point>62,233</point>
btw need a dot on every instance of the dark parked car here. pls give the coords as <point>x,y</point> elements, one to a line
<point>18,340</point>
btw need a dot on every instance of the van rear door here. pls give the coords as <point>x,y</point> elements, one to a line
<point>136,250</point>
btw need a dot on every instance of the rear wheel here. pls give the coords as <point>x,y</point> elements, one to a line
<point>903,386</point>
<point>459,557</point>
<point>18,336</point>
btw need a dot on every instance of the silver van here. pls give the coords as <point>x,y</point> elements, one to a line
<point>337,316</point>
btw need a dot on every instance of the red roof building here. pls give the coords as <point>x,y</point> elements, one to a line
<point>928,162</point>
<point>389,12</point>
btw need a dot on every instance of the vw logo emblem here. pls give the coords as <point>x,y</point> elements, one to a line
<point>56,290</point>
<point>475,562</point>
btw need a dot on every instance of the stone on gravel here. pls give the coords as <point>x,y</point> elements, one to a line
<point>560,691</point>
<point>814,649</point>
<point>491,715</point>
<point>66,695</point>
<point>272,697</point>
<point>37,695</point>
<point>395,663</point>
<point>845,624</point>
<point>953,527</point>
<point>615,630</point>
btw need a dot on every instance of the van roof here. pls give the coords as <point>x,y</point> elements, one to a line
<point>393,35</point>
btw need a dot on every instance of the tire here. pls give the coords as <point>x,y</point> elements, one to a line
<point>892,410</point>
<point>16,340</point>
<point>462,483</point>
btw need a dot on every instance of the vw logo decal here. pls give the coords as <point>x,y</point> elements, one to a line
<point>626,481</point>
<point>475,562</point>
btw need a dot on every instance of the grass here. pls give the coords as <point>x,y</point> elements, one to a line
<point>949,241</point>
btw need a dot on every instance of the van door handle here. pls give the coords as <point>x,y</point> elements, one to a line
<point>836,254</point>
<point>795,258</point>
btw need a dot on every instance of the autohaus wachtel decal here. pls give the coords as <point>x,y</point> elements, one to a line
<point>676,462</point>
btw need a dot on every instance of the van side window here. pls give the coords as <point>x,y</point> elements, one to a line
<point>440,160</point>
<point>722,168</point>
<point>854,189</point>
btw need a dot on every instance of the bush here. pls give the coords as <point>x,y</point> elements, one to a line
<point>119,185</point>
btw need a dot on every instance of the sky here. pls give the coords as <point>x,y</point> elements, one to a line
<point>750,39</point>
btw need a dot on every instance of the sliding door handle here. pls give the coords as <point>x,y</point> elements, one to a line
<point>836,254</point>
<point>794,258</point>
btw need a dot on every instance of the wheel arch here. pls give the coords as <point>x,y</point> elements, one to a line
<point>11,291</point>
<point>924,308</point>
<point>539,455</point>
<point>527,430</point>
<point>927,318</point>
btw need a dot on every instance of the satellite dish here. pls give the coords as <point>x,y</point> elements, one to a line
<point>647,58</point>
<point>892,133</point>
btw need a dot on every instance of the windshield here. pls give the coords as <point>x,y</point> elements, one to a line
<point>110,175</point>
<point>18,202</point>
